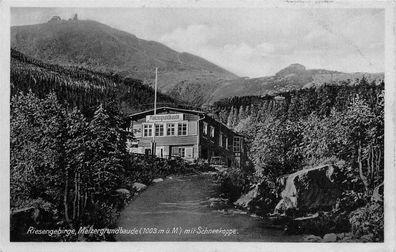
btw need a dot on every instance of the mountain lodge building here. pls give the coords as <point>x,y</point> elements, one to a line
<point>188,134</point>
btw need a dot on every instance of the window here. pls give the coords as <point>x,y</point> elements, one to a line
<point>226,143</point>
<point>182,129</point>
<point>159,130</point>
<point>147,130</point>
<point>237,144</point>
<point>205,128</point>
<point>220,139</point>
<point>147,152</point>
<point>182,152</point>
<point>211,131</point>
<point>170,129</point>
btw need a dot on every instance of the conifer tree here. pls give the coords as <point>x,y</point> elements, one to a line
<point>230,118</point>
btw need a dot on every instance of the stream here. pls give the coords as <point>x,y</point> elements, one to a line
<point>188,208</point>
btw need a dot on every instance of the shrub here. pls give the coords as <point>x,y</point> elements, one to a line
<point>368,221</point>
<point>266,200</point>
<point>233,183</point>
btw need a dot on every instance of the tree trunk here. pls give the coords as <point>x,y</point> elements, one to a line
<point>360,162</point>
<point>75,196</point>
<point>66,196</point>
<point>372,164</point>
<point>78,195</point>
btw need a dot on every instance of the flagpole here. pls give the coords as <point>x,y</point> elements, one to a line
<point>155,91</point>
<point>155,110</point>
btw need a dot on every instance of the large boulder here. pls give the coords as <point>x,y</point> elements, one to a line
<point>309,189</point>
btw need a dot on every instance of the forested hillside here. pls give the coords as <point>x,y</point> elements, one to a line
<point>81,87</point>
<point>296,103</point>
<point>339,125</point>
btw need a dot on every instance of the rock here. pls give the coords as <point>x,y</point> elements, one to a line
<point>378,193</point>
<point>170,177</point>
<point>347,237</point>
<point>367,238</point>
<point>309,217</point>
<point>231,212</point>
<point>236,211</point>
<point>330,237</point>
<point>217,202</point>
<point>340,236</point>
<point>157,180</point>
<point>312,238</point>
<point>209,173</point>
<point>139,186</point>
<point>285,204</point>
<point>307,189</point>
<point>123,191</point>
<point>245,199</point>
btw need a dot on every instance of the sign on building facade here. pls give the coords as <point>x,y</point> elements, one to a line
<point>164,118</point>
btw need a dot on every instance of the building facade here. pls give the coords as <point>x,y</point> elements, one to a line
<point>188,134</point>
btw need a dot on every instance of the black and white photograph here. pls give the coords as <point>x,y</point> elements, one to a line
<point>170,123</point>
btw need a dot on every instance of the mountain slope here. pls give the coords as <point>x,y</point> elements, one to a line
<point>89,43</point>
<point>80,87</point>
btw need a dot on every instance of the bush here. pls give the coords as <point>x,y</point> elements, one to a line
<point>233,183</point>
<point>351,200</point>
<point>144,169</point>
<point>267,199</point>
<point>368,221</point>
<point>202,166</point>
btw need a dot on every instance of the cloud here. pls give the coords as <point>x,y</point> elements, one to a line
<point>189,39</point>
<point>241,58</point>
<point>259,45</point>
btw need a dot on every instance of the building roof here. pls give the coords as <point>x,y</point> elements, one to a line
<point>162,109</point>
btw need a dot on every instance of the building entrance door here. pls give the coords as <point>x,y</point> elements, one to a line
<point>159,151</point>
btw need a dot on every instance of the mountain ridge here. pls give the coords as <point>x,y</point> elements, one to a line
<point>182,75</point>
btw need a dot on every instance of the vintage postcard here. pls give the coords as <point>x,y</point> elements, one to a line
<point>197,125</point>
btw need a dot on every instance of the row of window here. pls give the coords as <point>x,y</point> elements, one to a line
<point>223,140</point>
<point>165,129</point>
<point>180,129</point>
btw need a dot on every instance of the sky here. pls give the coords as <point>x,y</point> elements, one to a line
<point>248,42</point>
